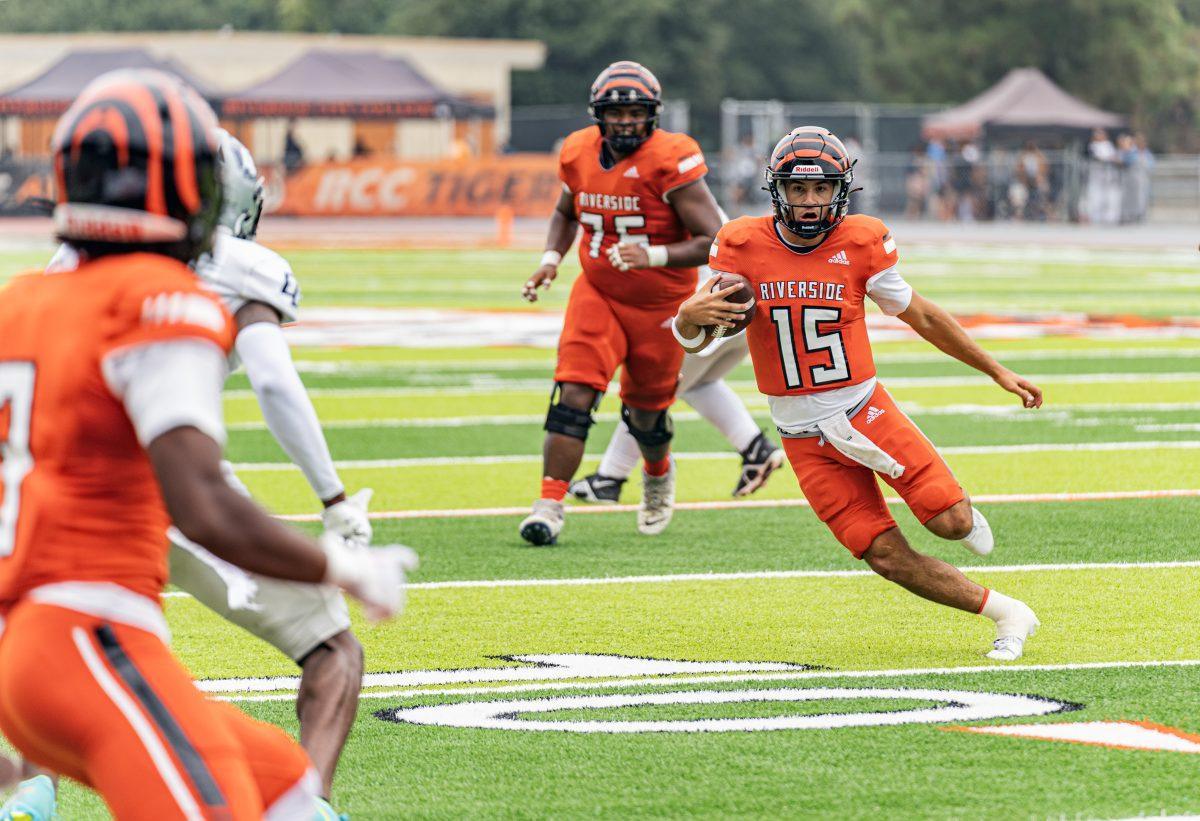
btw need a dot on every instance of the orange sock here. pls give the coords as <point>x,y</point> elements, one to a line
<point>983,603</point>
<point>659,468</point>
<point>555,489</point>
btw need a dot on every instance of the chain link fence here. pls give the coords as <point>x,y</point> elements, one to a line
<point>901,175</point>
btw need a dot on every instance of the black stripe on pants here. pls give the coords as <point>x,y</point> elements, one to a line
<point>192,763</point>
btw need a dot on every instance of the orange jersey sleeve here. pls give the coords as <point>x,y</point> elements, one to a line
<point>809,332</point>
<point>629,203</point>
<point>78,497</point>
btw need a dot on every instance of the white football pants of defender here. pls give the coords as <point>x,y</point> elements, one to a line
<point>294,617</point>
<point>701,385</point>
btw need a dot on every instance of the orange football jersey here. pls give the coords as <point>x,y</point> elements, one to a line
<point>809,333</point>
<point>78,497</point>
<point>627,203</point>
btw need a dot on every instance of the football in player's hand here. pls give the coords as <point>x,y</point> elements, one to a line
<point>743,296</point>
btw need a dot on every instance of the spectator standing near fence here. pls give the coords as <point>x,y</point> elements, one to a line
<point>293,152</point>
<point>1031,180</point>
<point>1103,187</point>
<point>744,171</point>
<point>1127,178</point>
<point>916,183</point>
<point>969,184</point>
<point>935,155</point>
<point>1143,168</point>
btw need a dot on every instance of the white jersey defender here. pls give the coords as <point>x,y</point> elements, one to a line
<point>293,617</point>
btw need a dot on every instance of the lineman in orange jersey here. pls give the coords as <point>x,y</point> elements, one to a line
<point>648,219</point>
<point>110,428</point>
<point>811,267</point>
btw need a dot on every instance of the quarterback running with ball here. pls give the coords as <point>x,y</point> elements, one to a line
<point>811,267</point>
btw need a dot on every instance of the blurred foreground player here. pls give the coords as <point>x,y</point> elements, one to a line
<point>811,267</point>
<point>648,219</point>
<point>308,623</point>
<point>110,428</point>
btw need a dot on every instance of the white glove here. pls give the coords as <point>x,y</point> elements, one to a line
<point>614,256</point>
<point>375,576</point>
<point>348,518</point>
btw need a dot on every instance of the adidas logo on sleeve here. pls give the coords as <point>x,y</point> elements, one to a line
<point>840,258</point>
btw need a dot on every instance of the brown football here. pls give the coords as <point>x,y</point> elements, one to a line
<point>744,295</point>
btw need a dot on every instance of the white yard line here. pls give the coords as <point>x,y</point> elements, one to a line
<point>542,385</point>
<point>401,366</point>
<point>1057,407</point>
<point>594,684</point>
<point>911,408</point>
<point>752,575</point>
<point>360,368</point>
<point>529,458</point>
<point>995,498</point>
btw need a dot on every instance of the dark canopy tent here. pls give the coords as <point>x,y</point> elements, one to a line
<point>353,84</point>
<point>51,92</point>
<point>1025,104</point>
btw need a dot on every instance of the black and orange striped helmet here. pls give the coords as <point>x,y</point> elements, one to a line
<point>135,158</point>
<point>810,152</point>
<point>626,83</point>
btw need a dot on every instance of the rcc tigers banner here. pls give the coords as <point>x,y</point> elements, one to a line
<point>370,187</point>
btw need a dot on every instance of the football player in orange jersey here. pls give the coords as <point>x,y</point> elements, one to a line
<point>110,377</point>
<point>811,266</point>
<point>648,219</point>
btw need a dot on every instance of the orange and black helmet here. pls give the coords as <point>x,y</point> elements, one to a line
<point>810,153</point>
<point>135,158</point>
<point>626,83</point>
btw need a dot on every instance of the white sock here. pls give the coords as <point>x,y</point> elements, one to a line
<point>621,456</point>
<point>1011,615</point>
<point>725,411</point>
<point>980,540</point>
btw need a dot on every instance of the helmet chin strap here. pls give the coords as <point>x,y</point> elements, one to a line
<point>625,143</point>
<point>814,228</point>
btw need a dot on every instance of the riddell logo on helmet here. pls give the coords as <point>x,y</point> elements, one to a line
<point>807,169</point>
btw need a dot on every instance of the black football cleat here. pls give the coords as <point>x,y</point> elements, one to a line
<point>597,490</point>
<point>759,461</point>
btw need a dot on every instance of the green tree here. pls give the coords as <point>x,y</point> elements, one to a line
<point>135,15</point>
<point>702,51</point>
<point>1134,57</point>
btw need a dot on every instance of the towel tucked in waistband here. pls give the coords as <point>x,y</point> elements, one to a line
<point>855,445</point>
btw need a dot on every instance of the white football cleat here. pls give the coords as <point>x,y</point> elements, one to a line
<point>980,540</point>
<point>542,526</point>
<point>658,502</point>
<point>1011,633</point>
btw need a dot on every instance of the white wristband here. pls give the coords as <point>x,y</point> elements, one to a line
<point>688,344</point>
<point>656,256</point>
<point>551,258</point>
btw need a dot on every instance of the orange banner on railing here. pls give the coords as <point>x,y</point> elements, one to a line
<point>526,183</point>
